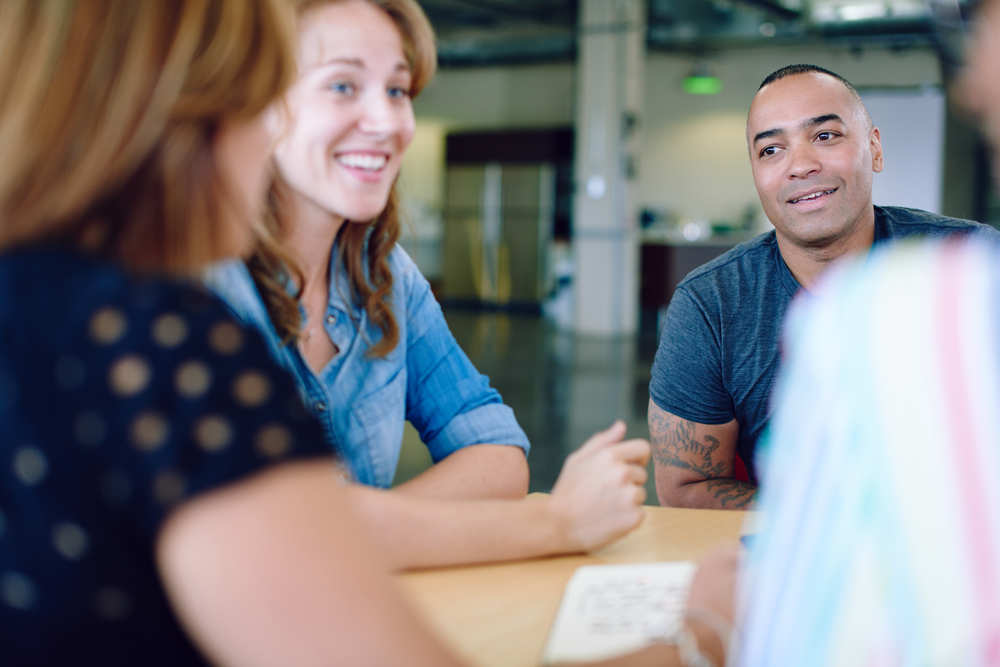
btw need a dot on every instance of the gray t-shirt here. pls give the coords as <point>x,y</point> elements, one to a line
<point>718,353</point>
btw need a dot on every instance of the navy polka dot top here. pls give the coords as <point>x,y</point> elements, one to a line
<point>119,398</point>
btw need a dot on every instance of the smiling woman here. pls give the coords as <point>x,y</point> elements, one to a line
<point>352,117</point>
<point>346,309</point>
<point>348,313</point>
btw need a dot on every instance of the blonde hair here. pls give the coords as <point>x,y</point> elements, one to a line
<point>108,110</point>
<point>363,249</point>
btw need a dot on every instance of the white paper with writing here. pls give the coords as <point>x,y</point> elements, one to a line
<point>607,610</point>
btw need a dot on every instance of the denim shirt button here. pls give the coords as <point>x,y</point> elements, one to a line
<point>331,319</point>
<point>319,406</point>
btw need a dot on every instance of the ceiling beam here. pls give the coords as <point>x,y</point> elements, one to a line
<point>774,8</point>
<point>558,14</point>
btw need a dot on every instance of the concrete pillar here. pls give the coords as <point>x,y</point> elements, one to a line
<point>611,55</point>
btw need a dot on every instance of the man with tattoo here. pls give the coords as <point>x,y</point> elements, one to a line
<point>813,152</point>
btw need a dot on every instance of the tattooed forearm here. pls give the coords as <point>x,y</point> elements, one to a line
<point>731,493</point>
<point>695,463</point>
<point>674,445</point>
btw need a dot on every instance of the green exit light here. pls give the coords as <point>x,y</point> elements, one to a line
<point>701,85</point>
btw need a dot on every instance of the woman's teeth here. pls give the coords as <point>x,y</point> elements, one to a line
<point>362,161</point>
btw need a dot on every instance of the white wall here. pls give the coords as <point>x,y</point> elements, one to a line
<point>693,160</point>
<point>471,99</point>
<point>525,96</point>
<point>912,124</point>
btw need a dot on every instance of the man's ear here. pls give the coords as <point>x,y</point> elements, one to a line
<point>876,141</point>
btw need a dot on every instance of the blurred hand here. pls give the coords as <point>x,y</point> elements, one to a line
<point>713,590</point>
<point>714,584</point>
<point>599,494</point>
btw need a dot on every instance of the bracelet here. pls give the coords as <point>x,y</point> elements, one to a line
<point>690,654</point>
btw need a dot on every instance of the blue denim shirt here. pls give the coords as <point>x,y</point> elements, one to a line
<point>362,401</point>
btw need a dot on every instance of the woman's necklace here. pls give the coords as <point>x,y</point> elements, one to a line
<point>307,331</point>
<point>318,350</point>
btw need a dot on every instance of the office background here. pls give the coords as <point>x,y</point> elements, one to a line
<point>513,66</point>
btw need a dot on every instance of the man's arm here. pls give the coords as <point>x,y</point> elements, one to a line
<point>476,471</point>
<point>695,463</point>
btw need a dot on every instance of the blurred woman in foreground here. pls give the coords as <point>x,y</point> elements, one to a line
<point>140,427</point>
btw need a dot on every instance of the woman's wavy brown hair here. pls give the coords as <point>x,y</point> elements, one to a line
<point>363,249</point>
<point>108,114</point>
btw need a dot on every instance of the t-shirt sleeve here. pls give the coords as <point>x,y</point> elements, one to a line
<point>687,375</point>
<point>448,401</point>
<point>171,398</point>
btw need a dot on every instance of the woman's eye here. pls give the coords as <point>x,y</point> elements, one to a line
<point>398,92</point>
<point>342,87</point>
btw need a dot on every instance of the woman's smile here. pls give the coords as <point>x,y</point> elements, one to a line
<point>366,166</point>
<point>351,118</point>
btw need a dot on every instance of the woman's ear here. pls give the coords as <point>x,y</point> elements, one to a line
<point>278,120</point>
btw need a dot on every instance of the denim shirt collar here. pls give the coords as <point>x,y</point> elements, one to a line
<point>231,280</point>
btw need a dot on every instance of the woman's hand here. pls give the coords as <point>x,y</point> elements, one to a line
<point>599,494</point>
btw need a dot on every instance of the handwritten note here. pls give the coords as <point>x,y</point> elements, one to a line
<point>608,610</point>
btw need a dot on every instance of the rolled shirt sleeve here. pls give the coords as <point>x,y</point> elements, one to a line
<point>448,401</point>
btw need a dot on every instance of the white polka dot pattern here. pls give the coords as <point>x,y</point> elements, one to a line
<point>70,540</point>
<point>30,465</point>
<point>169,330</point>
<point>225,338</point>
<point>273,441</point>
<point>192,379</point>
<point>17,591</point>
<point>213,433</point>
<point>168,487</point>
<point>153,397</point>
<point>129,375</point>
<point>149,431</point>
<point>251,389</point>
<point>107,326</point>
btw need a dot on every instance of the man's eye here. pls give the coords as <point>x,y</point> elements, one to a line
<point>824,136</point>
<point>769,150</point>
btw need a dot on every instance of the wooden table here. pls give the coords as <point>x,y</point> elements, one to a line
<point>500,615</point>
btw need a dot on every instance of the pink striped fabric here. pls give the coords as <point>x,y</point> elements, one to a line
<point>880,475</point>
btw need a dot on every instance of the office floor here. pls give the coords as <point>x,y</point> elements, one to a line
<point>562,387</point>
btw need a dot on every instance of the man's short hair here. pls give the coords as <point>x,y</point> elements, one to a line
<point>791,70</point>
